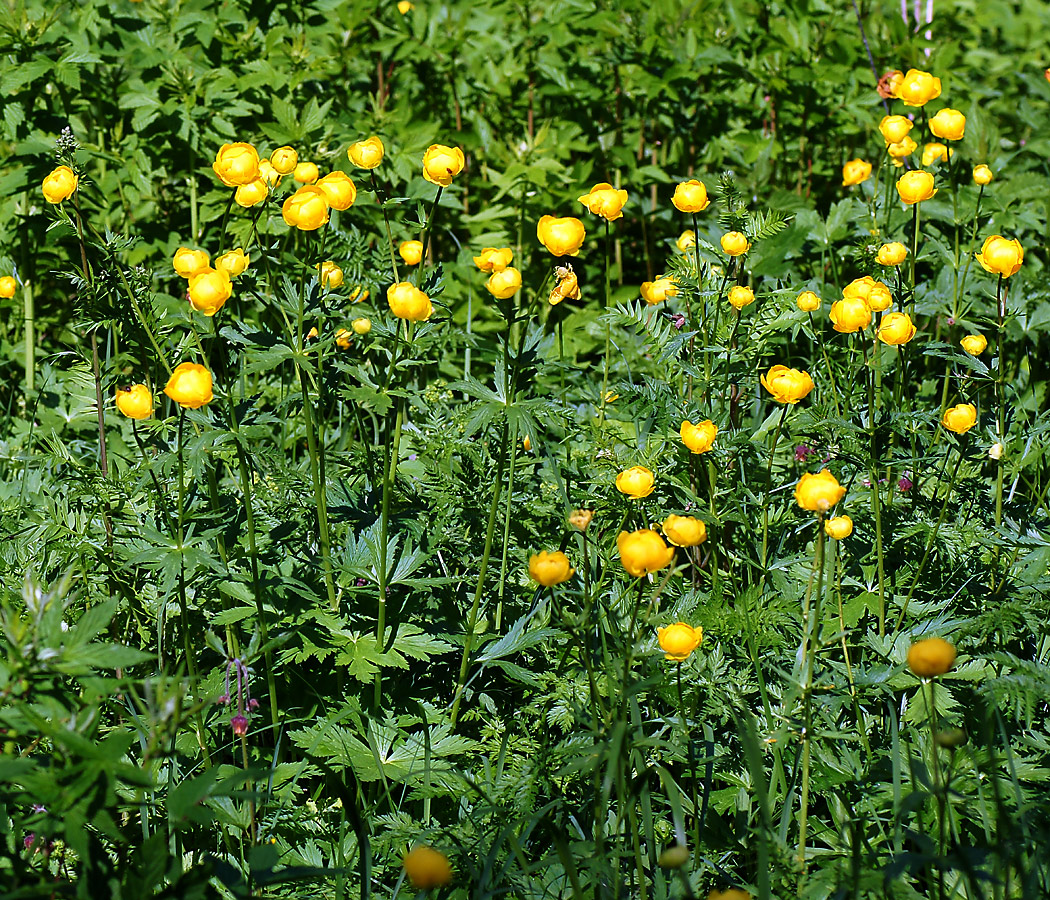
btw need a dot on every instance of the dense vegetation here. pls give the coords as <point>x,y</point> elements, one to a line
<point>528,451</point>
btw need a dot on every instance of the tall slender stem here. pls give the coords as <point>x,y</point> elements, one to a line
<point>386,220</point>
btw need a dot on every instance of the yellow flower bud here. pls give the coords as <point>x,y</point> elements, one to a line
<point>919,88</point>
<point>735,244</point>
<point>855,172</point>
<point>686,242</point>
<point>136,402</point>
<point>636,482</point>
<point>406,301</point>
<point>8,286</point>
<point>915,186</point>
<point>960,418</point>
<point>678,641</point>
<point>339,190</point>
<point>807,301</point>
<point>643,552</point>
<point>654,292</point>
<point>209,290</point>
<point>268,173</point>
<point>935,152</point>
<point>896,329</point>
<point>561,236</point>
<point>974,344</point>
<point>690,196</point>
<point>252,193</point>
<point>504,284</point>
<point>411,252</point>
<point>405,7</point>
<point>819,492</point>
<point>605,201</point>
<point>982,175</point>
<point>427,868</point>
<point>931,657</point>
<point>330,275</point>
<point>550,569</point>
<point>494,259</point>
<point>233,263</point>
<point>895,128</point>
<point>892,254</point>
<point>441,164</point>
<point>188,263</point>
<point>787,385</point>
<point>741,296</point>
<point>190,385</point>
<point>839,527</point>
<point>948,125</point>
<point>284,160</point>
<point>361,326</point>
<point>1000,256</point>
<point>236,164</point>
<point>366,154</point>
<point>904,147</point>
<point>699,438</point>
<point>60,184</point>
<point>685,531</point>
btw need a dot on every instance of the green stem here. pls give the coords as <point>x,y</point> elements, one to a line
<point>386,220</point>
<point>914,252</point>
<point>765,499</point>
<point>506,522</point>
<point>608,332</point>
<point>393,452</point>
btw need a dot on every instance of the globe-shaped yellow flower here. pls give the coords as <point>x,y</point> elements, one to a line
<point>1000,256</point>
<point>931,657</point>
<point>441,164</point>
<point>895,128</point>
<point>690,196</point>
<point>406,301</point>
<point>188,263</point>
<point>896,329</point>
<point>960,418</point>
<point>135,402</point>
<point>233,263</point>
<point>190,385</point>
<point>902,148</point>
<point>209,290</point>
<point>808,301</point>
<point>561,236</point>
<point>427,868</point>
<point>550,569</point>
<point>740,296</point>
<point>892,254</point>
<point>855,172</point>
<point>366,154</point>
<point>678,641</point>
<point>306,209</point>
<point>411,252</point>
<point>919,88</point>
<point>284,160</point>
<point>915,186</point>
<point>330,275</point>
<point>948,124</point>
<point>982,175</point>
<point>252,193</point>
<point>606,201</point>
<point>838,527</point>
<point>494,259</point>
<point>636,482</point>
<point>734,243</point>
<point>685,531</point>
<point>643,552</point>
<point>699,438</point>
<point>818,492</point>
<point>935,152</point>
<point>974,344</point>
<point>504,283</point>
<point>60,184</point>
<point>850,314</point>
<point>339,190</point>
<point>361,326</point>
<point>787,385</point>
<point>306,172</point>
<point>8,286</point>
<point>686,241</point>
<point>236,164</point>
<point>657,291</point>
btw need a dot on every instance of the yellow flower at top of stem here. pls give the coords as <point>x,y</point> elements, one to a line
<point>1000,256</point>
<point>740,296</point>
<point>915,186</point>
<point>190,385</point>
<point>679,640</point>
<point>188,263</point>
<point>948,125</point>
<point>734,243</point>
<point>209,290</point>
<point>236,164</point>
<point>60,184</point>
<point>974,344</point>
<point>306,209</point>
<point>699,438</point>
<point>366,154</point>
<point>441,164</point>
<point>787,385</point>
<point>838,527</point>
<point>892,254</point>
<point>8,286</point>
<point>561,236</point>
<point>406,301</point>
<point>550,569</point>
<point>895,129</point>
<point>818,492</point>
<point>808,301</point>
<point>685,531</point>
<point>960,418</point>
<point>135,402</point>
<point>931,657</point>
<point>284,160</point>
<point>690,196</point>
<point>252,193</point>
<point>850,314</point>
<point>329,274</point>
<point>306,172</point>
<point>657,291</point>
<point>686,240</point>
<point>339,190</point>
<point>427,868</point>
<point>504,283</point>
<point>643,552</point>
<point>234,262</point>
<point>918,88</point>
<point>411,252</point>
<point>904,147</point>
<point>855,171</point>
<point>896,328</point>
<point>494,259</point>
<point>606,201</point>
<point>935,152</point>
<point>636,482</point>
<point>982,175</point>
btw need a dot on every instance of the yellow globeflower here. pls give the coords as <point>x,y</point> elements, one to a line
<point>931,657</point>
<point>411,252</point>
<point>504,284</point>
<point>427,868</point>
<point>855,172</point>
<point>643,552</point>
<point>895,128</point>
<point>699,438</point>
<point>135,402</point>
<point>686,240</point>
<point>361,326</point>
<point>190,385</point>
<point>494,259</point>
<point>915,186</point>
<point>879,297</point>
<point>819,492</point>
<point>734,243</point>
<point>60,184</point>
<point>982,175</point>
<point>1000,256</point>
<point>850,314</point>
<point>561,236</point>
<point>342,339</point>
<point>252,193</point>
<point>935,152</point>
<point>838,527</point>
<point>329,274</point>
<point>233,263</point>
<point>948,125</point>
<point>904,147</point>
<point>690,196</point>
<point>896,329</point>
<point>306,172</point>
<point>406,301</point>
<point>685,531</point>
<point>441,164</point>
<point>8,286</point>
<point>606,201</point>
<point>654,292</point>
<point>550,569</point>
<point>807,301</point>
<point>741,296</point>
<point>566,285</point>
<point>339,190</point>
<point>960,418</point>
<point>892,254</point>
<point>209,290</point>
<point>284,160</point>
<point>678,641</point>
<point>268,173</point>
<point>919,88</point>
<point>306,209</point>
<point>974,344</point>
<point>236,164</point>
<point>636,482</point>
<point>366,154</point>
<point>787,385</point>
<point>188,263</point>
